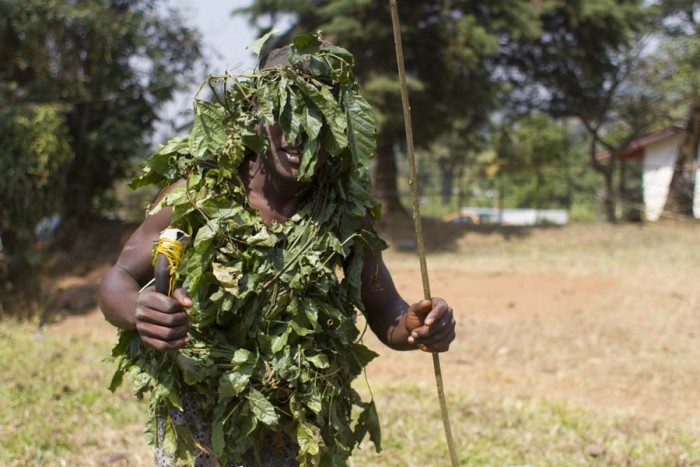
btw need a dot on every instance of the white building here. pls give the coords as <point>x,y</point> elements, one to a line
<point>657,153</point>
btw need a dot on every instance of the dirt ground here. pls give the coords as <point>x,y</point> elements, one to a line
<point>618,339</point>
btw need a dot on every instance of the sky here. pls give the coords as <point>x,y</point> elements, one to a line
<point>225,36</point>
<point>225,39</point>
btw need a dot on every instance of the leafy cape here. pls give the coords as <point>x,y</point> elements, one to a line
<point>274,344</point>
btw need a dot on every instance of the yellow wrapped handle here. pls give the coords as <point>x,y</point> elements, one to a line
<point>171,245</point>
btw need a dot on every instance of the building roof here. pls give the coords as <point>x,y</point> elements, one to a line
<point>635,149</point>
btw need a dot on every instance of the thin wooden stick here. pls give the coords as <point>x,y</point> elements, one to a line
<point>417,220</point>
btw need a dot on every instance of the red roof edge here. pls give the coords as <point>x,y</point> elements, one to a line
<point>635,150</point>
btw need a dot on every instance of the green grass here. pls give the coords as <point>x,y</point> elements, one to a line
<point>57,411</point>
<point>517,431</point>
<point>56,405</point>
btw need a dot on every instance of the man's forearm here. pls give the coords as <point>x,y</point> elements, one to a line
<point>118,294</point>
<point>390,325</point>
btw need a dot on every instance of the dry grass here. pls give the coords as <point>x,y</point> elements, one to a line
<point>576,346</point>
<point>602,320</point>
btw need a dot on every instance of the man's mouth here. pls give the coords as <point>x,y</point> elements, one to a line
<point>292,153</point>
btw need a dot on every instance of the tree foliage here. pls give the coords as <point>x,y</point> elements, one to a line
<point>530,151</point>
<point>675,72</point>
<point>93,74</point>
<point>582,65</point>
<point>34,157</point>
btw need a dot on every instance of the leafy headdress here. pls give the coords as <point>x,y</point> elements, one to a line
<point>274,345</point>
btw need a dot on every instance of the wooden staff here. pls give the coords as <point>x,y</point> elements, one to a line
<point>417,221</point>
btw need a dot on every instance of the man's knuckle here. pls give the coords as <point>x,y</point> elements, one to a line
<point>173,320</point>
<point>156,344</point>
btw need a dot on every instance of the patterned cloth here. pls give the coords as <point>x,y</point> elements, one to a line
<point>280,452</point>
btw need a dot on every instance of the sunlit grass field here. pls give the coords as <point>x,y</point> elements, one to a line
<point>57,410</point>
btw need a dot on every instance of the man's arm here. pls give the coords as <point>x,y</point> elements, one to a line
<point>428,325</point>
<point>160,320</point>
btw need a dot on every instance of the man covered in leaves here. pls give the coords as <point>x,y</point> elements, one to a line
<point>251,361</point>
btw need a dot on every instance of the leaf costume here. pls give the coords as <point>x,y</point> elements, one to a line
<point>274,345</point>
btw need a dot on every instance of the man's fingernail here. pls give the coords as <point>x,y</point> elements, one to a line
<point>429,321</point>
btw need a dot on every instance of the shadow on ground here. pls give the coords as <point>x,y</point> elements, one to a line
<point>74,264</point>
<point>399,231</point>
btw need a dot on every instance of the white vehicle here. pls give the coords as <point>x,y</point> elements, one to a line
<point>510,216</point>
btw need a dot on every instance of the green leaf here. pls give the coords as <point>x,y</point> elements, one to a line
<point>262,238</point>
<point>233,383</point>
<point>218,443</point>
<point>319,360</point>
<point>309,160</point>
<point>363,354</point>
<point>266,98</point>
<point>362,129</point>
<point>314,402</point>
<point>243,356</point>
<point>333,116</point>
<point>228,276</point>
<point>203,238</point>
<point>312,121</point>
<point>117,379</point>
<point>194,371</point>
<point>262,408</point>
<point>303,42</point>
<point>258,45</point>
<point>278,342</point>
<point>369,422</point>
<point>169,439</point>
<point>208,132</point>
<point>254,141</point>
<point>307,438</point>
<point>179,145</point>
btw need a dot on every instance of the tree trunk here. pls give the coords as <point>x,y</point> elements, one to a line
<point>681,190</point>
<point>608,173</point>
<point>609,203</point>
<point>79,181</point>
<point>447,185</point>
<point>385,185</point>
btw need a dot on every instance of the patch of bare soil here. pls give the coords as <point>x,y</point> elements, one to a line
<point>607,343</point>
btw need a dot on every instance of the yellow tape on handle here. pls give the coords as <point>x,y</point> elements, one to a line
<point>167,256</point>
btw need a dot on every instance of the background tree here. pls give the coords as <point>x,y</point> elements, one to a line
<point>80,85</point>
<point>35,155</point>
<point>677,74</point>
<point>453,153</point>
<point>533,161</point>
<point>112,62</point>
<point>450,49</point>
<point>581,66</point>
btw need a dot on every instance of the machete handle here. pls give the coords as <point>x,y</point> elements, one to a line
<point>167,256</point>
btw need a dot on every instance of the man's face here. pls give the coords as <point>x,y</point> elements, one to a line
<point>285,158</point>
